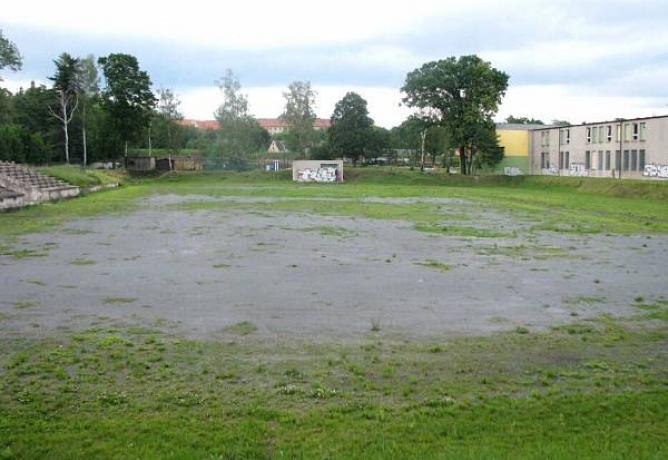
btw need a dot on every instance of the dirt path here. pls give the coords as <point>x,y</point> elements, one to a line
<point>295,275</point>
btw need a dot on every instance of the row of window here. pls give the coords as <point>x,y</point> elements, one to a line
<point>629,160</point>
<point>602,134</point>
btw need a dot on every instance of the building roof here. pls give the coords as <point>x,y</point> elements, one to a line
<point>519,126</point>
<point>615,120</point>
<point>266,123</point>
<point>201,124</point>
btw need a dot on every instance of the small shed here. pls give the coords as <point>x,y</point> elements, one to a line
<point>317,171</point>
<point>140,164</point>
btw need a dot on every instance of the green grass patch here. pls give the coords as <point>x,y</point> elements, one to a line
<point>82,177</point>
<point>431,263</point>
<point>330,230</point>
<point>116,300</point>
<point>135,392</point>
<point>241,328</point>
<point>82,261</point>
<point>24,304</point>
<point>23,253</point>
<point>581,205</point>
<point>457,230</point>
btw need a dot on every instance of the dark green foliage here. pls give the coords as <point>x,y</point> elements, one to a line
<point>523,120</point>
<point>9,54</point>
<point>465,93</point>
<point>351,132</point>
<point>127,97</point>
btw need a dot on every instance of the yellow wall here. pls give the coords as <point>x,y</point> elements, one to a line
<point>514,142</point>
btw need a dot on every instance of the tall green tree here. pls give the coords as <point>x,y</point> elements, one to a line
<point>352,128</point>
<point>239,134</point>
<point>438,143</point>
<point>300,115</point>
<point>65,83</point>
<point>9,55</point>
<point>31,112</point>
<point>127,97</point>
<point>486,148</point>
<point>465,92</point>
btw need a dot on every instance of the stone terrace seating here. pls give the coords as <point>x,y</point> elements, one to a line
<point>29,177</point>
<point>7,193</point>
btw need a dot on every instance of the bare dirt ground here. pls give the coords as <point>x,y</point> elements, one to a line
<point>295,275</point>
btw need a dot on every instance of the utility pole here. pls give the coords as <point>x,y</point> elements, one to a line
<point>621,136</point>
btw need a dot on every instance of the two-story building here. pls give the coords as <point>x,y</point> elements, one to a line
<point>631,148</point>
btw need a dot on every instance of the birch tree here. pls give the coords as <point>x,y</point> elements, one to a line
<point>65,85</point>
<point>300,115</point>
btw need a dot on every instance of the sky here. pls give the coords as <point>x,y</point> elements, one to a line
<point>579,61</point>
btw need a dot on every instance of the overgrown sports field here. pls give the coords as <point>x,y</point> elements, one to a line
<point>528,321</point>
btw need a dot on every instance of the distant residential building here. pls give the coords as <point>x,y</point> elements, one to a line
<point>200,124</point>
<point>277,147</point>
<point>272,125</point>
<point>635,148</point>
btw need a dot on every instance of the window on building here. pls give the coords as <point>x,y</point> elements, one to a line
<point>587,160</point>
<point>607,160</point>
<point>567,160</point>
<point>545,160</point>
<point>634,160</point>
<point>626,160</point>
<point>618,160</point>
<point>643,132</point>
<point>545,138</point>
<point>599,163</point>
<point>609,133</point>
<point>627,132</point>
<point>636,131</point>
<point>588,135</point>
<point>619,133</point>
<point>594,134</point>
<point>561,160</point>
<point>641,160</point>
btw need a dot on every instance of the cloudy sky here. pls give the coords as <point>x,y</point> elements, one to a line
<point>580,61</point>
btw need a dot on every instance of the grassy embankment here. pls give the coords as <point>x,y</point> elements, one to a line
<point>594,389</point>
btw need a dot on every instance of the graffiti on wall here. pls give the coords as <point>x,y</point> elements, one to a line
<point>654,170</point>
<point>578,169</point>
<point>316,175</point>
<point>551,171</point>
<point>512,171</point>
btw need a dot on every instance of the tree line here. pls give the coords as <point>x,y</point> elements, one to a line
<point>100,109</point>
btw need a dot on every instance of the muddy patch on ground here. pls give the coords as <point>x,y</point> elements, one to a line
<point>276,274</point>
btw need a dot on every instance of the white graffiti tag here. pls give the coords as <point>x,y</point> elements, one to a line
<point>512,171</point>
<point>317,175</point>
<point>578,169</point>
<point>654,170</point>
<point>551,171</point>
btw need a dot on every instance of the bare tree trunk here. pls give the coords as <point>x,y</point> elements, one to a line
<point>83,136</point>
<point>462,160</point>
<point>423,135</point>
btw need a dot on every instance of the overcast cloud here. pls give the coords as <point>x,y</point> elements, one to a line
<point>588,60</point>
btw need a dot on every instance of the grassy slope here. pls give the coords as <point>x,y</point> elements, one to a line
<point>590,390</point>
<point>82,177</point>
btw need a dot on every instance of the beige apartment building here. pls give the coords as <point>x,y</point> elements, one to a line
<point>634,148</point>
